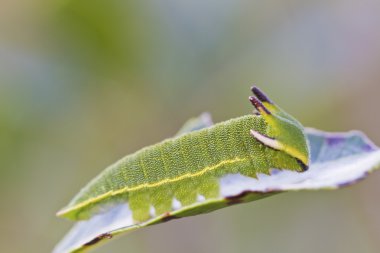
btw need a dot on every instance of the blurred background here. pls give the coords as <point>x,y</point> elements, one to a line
<point>84,82</point>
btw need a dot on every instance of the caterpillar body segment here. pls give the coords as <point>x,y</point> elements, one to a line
<point>185,170</point>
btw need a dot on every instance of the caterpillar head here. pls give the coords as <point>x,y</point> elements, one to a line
<point>284,132</point>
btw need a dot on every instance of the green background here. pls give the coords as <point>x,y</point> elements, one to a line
<point>85,82</point>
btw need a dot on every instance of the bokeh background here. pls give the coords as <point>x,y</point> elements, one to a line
<point>84,82</point>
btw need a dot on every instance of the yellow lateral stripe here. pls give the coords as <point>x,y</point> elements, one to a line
<point>295,153</point>
<point>149,185</point>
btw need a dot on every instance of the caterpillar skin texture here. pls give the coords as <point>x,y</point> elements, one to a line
<point>186,169</point>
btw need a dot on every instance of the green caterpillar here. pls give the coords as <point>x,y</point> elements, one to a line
<point>186,169</point>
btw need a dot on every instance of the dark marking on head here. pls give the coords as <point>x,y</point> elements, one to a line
<point>260,95</point>
<point>98,239</point>
<point>258,105</point>
<point>304,167</point>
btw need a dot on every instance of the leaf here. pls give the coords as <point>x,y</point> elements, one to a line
<point>337,160</point>
<point>194,124</point>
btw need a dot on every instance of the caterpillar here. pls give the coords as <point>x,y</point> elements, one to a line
<point>186,169</point>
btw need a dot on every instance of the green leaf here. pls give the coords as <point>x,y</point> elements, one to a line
<point>337,160</point>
